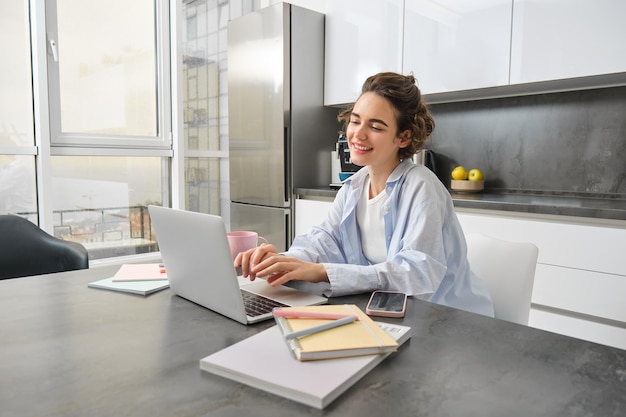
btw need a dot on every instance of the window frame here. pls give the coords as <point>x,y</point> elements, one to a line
<point>98,142</point>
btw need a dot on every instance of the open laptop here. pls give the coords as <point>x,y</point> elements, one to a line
<point>199,266</point>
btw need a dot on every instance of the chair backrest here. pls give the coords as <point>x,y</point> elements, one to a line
<point>26,250</point>
<point>508,268</point>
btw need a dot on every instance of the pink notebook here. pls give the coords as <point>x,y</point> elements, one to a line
<point>140,272</point>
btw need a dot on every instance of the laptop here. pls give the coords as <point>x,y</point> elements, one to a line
<point>199,265</point>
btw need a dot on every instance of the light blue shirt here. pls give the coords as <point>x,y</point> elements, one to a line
<point>426,249</point>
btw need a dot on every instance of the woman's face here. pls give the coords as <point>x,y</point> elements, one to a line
<point>373,133</point>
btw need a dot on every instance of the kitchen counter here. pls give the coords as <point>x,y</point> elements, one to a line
<point>562,204</point>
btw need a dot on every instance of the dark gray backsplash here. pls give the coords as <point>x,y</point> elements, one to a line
<point>571,142</point>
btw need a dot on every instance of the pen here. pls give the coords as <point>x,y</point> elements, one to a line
<point>316,329</point>
<point>310,315</point>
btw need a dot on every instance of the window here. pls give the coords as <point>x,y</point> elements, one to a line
<point>85,118</point>
<point>109,106</point>
<point>104,59</point>
<point>16,101</point>
<point>86,115</point>
<point>107,76</point>
<point>17,162</point>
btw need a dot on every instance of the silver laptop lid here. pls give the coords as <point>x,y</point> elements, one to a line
<point>195,251</point>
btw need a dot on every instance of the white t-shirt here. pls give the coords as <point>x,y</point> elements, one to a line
<point>372,226</point>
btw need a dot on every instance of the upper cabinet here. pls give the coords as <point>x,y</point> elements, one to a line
<point>363,37</point>
<point>452,45</point>
<point>559,39</point>
<point>471,49</point>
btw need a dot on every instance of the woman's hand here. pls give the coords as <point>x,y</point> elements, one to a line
<point>249,259</point>
<point>265,261</point>
<point>280,269</point>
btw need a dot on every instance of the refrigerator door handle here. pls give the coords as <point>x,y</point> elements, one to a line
<point>287,166</point>
<point>288,230</point>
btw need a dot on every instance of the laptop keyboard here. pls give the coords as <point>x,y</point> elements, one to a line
<point>257,305</point>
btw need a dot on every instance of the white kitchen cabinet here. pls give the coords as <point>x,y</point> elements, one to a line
<point>453,45</point>
<point>363,37</point>
<point>605,334</point>
<point>581,291</point>
<point>562,241</point>
<point>580,281</point>
<point>559,39</point>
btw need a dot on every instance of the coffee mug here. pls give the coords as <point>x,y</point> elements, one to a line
<point>241,241</point>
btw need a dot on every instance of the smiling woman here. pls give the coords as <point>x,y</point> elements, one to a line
<point>392,225</point>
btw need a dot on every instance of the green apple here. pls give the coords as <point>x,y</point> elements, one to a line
<point>475,175</point>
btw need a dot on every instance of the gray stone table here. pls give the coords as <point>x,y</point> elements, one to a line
<point>69,350</point>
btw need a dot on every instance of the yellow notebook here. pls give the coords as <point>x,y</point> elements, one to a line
<point>361,337</point>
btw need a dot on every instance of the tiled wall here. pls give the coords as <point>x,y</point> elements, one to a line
<point>565,142</point>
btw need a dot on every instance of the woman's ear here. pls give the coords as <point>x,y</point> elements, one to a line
<point>404,139</point>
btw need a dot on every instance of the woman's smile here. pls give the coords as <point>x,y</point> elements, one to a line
<point>360,148</point>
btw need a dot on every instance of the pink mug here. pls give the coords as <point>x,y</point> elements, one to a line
<point>241,241</point>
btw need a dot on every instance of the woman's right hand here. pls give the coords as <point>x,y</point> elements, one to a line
<point>252,257</point>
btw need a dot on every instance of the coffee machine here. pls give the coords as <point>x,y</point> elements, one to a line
<point>341,165</point>
<point>343,152</point>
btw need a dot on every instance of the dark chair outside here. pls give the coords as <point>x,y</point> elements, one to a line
<point>26,250</point>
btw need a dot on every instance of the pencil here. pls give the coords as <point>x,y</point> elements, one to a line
<point>310,315</point>
<point>320,328</point>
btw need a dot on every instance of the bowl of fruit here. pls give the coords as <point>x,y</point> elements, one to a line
<point>471,181</point>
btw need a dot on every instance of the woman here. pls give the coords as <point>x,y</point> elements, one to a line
<point>392,225</point>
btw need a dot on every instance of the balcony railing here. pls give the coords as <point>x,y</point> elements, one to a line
<point>107,232</point>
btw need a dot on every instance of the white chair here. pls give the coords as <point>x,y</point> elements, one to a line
<point>508,268</point>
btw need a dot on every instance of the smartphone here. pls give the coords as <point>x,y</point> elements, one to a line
<point>387,304</point>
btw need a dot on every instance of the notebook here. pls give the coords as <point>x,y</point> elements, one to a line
<point>194,249</point>
<point>140,272</point>
<point>361,337</point>
<point>133,287</point>
<point>263,361</point>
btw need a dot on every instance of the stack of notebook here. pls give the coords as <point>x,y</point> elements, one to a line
<point>142,279</point>
<point>361,336</point>
<point>269,360</point>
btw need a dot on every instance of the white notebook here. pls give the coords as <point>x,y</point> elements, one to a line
<point>272,368</point>
<point>134,287</point>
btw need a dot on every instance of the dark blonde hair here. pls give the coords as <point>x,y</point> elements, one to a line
<point>412,112</point>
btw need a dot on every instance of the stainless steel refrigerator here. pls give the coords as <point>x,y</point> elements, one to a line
<point>280,134</point>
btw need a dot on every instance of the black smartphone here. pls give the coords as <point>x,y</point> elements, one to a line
<point>387,304</point>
